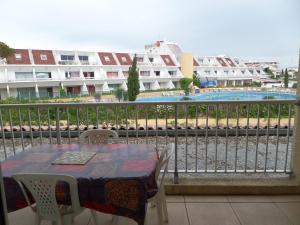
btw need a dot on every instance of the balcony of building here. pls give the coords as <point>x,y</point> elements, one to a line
<point>203,210</point>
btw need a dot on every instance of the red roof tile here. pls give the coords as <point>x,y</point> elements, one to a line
<point>43,57</point>
<point>167,60</point>
<point>195,63</point>
<point>124,58</point>
<point>107,58</point>
<point>221,61</point>
<point>230,62</point>
<point>24,57</point>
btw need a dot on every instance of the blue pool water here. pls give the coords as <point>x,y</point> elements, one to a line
<point>223,95</point>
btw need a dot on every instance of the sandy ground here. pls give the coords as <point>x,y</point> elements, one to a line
<point>212,122</point>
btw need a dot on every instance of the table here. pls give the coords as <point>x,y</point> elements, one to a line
<point>117,180</point>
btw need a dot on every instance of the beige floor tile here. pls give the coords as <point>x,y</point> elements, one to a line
<point>177,216</point>
<point>205,198</point>
<point>175,198</point>
<point>260,214</point>
<point>249,198</point>
<point>211,214</point>
<point>292,210</point>
<point>285,198</point>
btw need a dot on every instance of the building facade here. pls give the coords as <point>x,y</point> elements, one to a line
<point>35,73</point>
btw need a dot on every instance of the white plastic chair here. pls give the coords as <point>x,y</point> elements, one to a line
<point>97,136</point>
<point>42,188</point>
<point>159,200</point>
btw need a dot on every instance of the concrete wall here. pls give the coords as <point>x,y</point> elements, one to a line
<point>187,65</point>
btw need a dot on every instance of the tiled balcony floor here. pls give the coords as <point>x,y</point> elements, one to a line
<point>205,210</point>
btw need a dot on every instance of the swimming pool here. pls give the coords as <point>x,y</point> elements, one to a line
<point>224,95</point>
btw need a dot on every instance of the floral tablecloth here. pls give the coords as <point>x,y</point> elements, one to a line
<point>118,179</point>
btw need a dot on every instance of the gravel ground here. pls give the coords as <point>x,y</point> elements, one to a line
<point>215,154</point>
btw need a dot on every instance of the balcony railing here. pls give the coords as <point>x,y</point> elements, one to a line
<point>209,136</point>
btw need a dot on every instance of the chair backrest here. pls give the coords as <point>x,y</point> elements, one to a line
<point>97,136</point>
<point>163,163</point>
<point>42,188</point>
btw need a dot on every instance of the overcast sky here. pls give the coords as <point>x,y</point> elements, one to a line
<point>261,29</point>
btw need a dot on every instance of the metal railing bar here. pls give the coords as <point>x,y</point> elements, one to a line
<point>49,126</point>
<point>216,137</point>
<point>226,140</point>
<point>257,138</point>
<point>3,135</point>
<point>12,131</point>
<point>237,136</point>
<point>267,141</point>
<point>206,137</point>
<point>196,134</point>
<point>186,139</point>
<point>288,139</point>
<point>277,136</point>
<point>30,127</point>
<point>202,102</point>
<point>21,129</point>
<point>69,126</point>
<point>40,128</point>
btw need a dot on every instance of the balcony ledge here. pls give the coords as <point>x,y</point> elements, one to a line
<point>233,186</point>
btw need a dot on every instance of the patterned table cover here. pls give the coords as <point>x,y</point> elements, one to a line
<point>117,180</point>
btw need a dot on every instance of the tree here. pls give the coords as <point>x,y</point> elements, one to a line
<point>286,78</point>
<point>268,71</point>
<point>5,50</point>
<point>119,94</point>
<point>196,81</point>
<point>133,81</point>
<point>184,84</point>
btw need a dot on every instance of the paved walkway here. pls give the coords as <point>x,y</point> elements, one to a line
<point>205,210</point>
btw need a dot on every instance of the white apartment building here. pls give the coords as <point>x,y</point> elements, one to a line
<point>41,73</point>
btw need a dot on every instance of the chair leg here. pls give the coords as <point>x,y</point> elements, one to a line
<point>94,217</point>
<point>37,220</point>
<point>115,220</point>
<point>164,204</point>
<point>159,210</point>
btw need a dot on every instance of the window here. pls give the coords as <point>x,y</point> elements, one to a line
<point>145,73</point>
<point>72,74</point>
<point>18,56</point>
<point>151,60</point>
<point>89,75</point>
<point>140,59</point>
<point>43,75</point>
<point>67,57</point>
<point>112,74</point>
<point>24,75</point>
<point>83,58</point>
<point>226,72</point>
<point>172,73</point>
<point>243,71</point>
<point>157,73</point>
<point>113,86</point>
<point>207,72</point>
<point>125,73</point>
<point>124,59</point>
<point>106,58</point>
<point>43,57</point>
